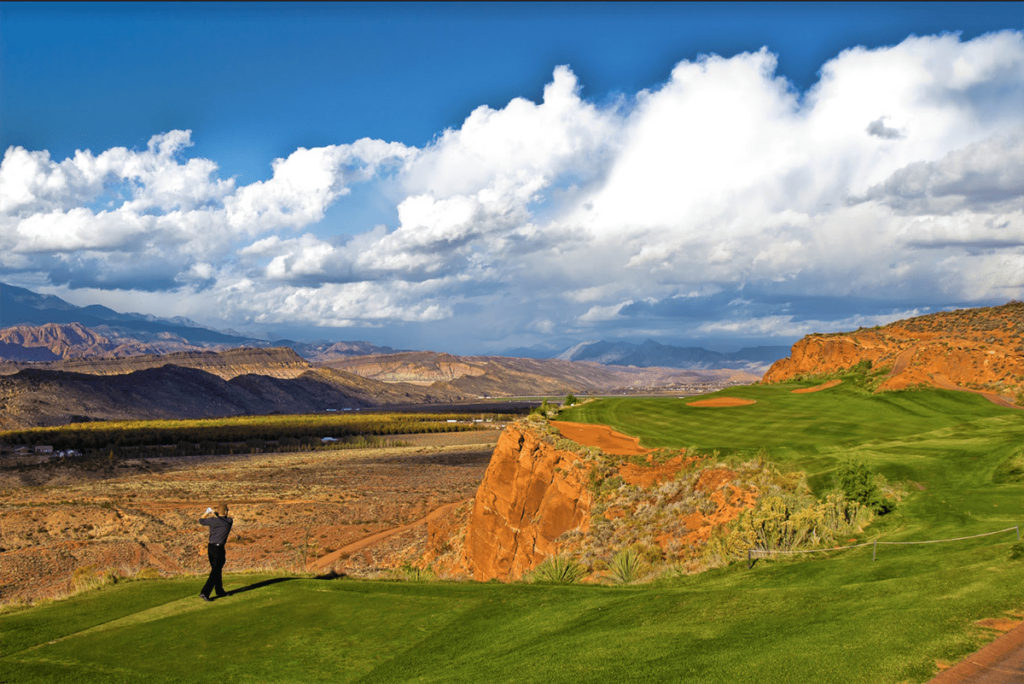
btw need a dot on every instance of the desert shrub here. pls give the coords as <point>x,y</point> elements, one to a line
<point>1010,470</point>
<point>410,573</point>
<point>788,523</point>
<point>88,577</point>
<point>1017,551</point>
<point>147,573</point>
<point>862,366</point>
<point>558,569</point>
<point>570,400</point>
<point>545,410</point>
<point>860,484</point>
<point>626,567</point>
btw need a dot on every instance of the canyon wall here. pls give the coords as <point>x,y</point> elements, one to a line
<point>531,494</point>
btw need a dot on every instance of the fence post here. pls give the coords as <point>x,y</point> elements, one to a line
<point>874,552</point>
<point>1018,532</point>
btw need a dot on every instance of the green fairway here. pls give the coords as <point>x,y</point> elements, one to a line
<point>834,617</point>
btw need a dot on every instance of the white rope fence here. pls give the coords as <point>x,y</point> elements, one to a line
<point>753,554</point>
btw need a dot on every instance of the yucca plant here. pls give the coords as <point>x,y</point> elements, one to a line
<point>559,569</point>
<point>626,567</point>
<point>410,573</point>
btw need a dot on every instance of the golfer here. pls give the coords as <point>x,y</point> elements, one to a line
<point>220,525</point>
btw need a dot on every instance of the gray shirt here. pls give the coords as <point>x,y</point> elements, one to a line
<point>219,528</point>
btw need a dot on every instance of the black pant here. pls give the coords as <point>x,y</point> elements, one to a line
<point>217,560</point>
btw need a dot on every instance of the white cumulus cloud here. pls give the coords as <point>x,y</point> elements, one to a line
<point>898,177</point>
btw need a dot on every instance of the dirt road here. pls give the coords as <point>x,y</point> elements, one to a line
<point>328,560</point>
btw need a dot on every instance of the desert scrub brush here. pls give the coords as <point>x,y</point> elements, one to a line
<point>558,569</point>
<point>626,567</point>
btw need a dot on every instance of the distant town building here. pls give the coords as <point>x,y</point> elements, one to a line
<point>43,449</point>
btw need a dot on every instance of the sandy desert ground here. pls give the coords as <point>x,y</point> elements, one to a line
<point>289,509</point>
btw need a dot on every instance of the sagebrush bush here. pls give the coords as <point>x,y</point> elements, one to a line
<point>784,524</point>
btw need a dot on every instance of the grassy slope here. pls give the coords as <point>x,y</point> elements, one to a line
<point>839,618</point>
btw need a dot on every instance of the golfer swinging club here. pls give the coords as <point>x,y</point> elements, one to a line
<point>220,525</point>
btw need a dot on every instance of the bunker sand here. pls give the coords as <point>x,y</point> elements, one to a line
<point>602,437</point>
<point>817,388</point>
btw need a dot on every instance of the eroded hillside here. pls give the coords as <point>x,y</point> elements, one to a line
<point>189,385</point>
<point>508,376</point>
<point>544,495</point>
<point>969,349</point>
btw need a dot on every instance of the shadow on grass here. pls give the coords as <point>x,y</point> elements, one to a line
<point>277,580</point>
<point>259,585</point>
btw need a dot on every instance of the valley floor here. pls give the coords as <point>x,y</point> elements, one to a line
<point>289,509</point>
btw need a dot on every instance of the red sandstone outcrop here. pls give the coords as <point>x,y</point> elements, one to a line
<point>972,349</point>
<point>531,494</point>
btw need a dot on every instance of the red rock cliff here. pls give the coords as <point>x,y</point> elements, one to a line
<point>976,349</point>
<point>531,494</point>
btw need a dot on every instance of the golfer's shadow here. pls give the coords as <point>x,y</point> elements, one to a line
<point>259,585</point>
<point>266,583</point>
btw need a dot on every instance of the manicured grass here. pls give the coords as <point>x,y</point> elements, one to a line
<point>843,619</point>
<point>839,617</point>
<point>842,415</point>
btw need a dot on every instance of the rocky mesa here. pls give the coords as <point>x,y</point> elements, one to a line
<point>979,350</point>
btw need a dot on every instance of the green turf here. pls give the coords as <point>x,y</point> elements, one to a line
<point>840,617</point>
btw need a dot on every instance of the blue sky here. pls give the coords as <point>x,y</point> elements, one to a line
<point>471,177</point>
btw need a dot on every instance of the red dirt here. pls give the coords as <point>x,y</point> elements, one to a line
<point>942,382</point>
<point>331,558</point>
<point>650,475</point>
<point>817,388</point>
<point>722,402</point>
<point>713,479</point>
<point>602,437</point>
<point>730,501</point>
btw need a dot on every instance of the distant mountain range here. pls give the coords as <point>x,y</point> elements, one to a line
<point>19,306</point>
<point>35,327</point>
